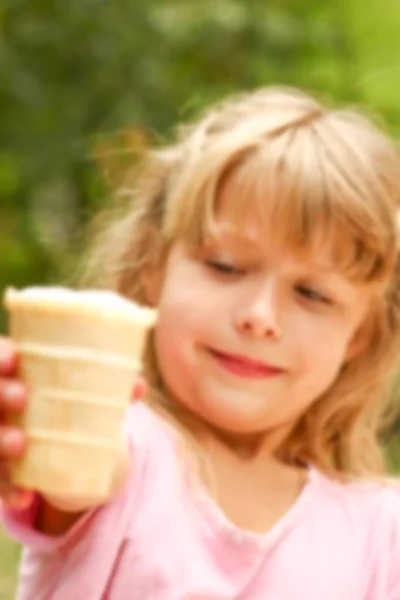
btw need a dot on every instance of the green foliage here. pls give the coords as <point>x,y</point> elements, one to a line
<point>74,73</point>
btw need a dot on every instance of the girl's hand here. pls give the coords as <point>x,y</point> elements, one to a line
<point>13,399</point>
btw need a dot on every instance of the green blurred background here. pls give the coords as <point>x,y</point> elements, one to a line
<point>80,80</point>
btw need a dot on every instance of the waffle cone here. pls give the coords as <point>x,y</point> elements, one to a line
<point>79,364</point>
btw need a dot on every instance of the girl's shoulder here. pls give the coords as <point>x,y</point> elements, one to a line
<point>357,524</point>
<point>364,495</point>
<point>151,436</point>
<point>143,425</point>
<point>370,508</point>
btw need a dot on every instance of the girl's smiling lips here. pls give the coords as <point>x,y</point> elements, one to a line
<point>244,366</point>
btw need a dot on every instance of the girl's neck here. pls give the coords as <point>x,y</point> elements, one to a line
<point>252,485</point>
<point>244,474</point>
<point>245,446</point>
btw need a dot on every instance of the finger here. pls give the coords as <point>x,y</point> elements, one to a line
<point>11,495</point>
<point>8,356</point>
<point>17,498</point>
<point>13,395</point>
<point>12,442</point>
<point>139,389</point>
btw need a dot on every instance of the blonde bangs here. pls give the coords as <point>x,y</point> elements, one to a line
<point>312,187</point>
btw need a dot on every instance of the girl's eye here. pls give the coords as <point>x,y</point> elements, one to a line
<point>313,295</point>
<point>225,268</point>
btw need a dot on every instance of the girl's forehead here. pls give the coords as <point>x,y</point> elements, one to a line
<point>258,243</point>
<point>309,211</point>
<point>249,226</point>
<point>248,205</point>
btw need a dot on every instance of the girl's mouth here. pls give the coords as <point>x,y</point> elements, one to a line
<point>244,366</point>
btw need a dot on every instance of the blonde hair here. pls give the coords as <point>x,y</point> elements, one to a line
<point>324,174</point>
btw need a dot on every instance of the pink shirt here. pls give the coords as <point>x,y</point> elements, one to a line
<point>163,538</point>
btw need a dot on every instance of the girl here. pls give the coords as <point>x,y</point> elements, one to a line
<point>267,238</point>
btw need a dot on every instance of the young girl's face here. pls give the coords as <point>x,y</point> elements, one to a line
<point>250,335</point>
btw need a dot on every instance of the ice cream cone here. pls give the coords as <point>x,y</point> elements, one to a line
<point>80,353</point>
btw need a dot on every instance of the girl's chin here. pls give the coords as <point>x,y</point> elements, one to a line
<point>225,413</point>
<point>234,422</point>
<point>244,424</point>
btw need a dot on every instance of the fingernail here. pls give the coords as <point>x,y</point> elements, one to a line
<point>14,392</point>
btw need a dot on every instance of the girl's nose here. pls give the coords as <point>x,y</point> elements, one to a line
<point>260,316</point>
